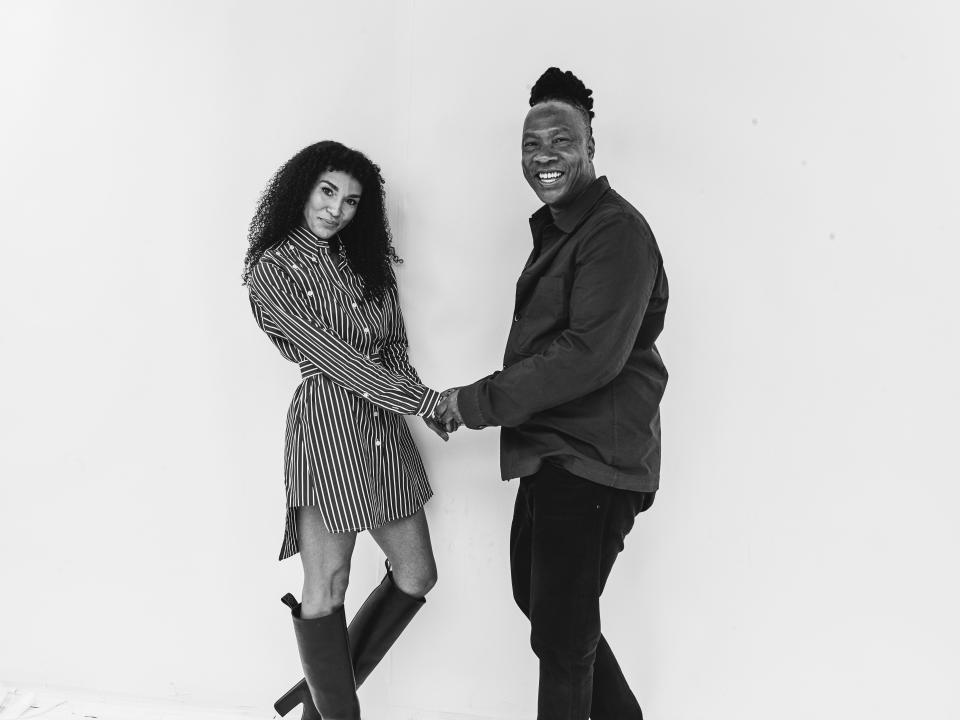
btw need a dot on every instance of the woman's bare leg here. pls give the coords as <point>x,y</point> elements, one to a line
<point>406,543</point>
<point>326,563</point>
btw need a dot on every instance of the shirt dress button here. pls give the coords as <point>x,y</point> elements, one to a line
<point>309,293</point>
<point>378,443</point>
<point>353,304</point>
<point>366,330</point>
<point>376,413</point>
<point>367,395</point>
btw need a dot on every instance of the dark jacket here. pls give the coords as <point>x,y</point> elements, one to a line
<point>582,378</point>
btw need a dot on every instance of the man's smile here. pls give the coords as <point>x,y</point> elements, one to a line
<point>549,178</point>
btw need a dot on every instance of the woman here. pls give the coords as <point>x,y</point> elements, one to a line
<point>321,286</point>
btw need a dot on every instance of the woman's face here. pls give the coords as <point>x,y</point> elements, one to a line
<point>332,204</point>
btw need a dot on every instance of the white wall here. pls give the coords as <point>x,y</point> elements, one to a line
<point>798,163</point>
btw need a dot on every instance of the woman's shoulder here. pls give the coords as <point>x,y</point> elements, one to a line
<point>274,260</point>
<point>279,252</point>
<point>282,254</point>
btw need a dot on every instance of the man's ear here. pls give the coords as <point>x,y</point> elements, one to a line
<point>591,147</point>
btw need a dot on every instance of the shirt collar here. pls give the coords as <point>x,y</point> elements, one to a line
<point>568,218</point>
<point>307,243</point>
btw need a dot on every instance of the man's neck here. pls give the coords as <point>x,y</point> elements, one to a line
<point>555,210</point>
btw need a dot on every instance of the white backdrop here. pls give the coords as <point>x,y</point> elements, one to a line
<point>799,165</point>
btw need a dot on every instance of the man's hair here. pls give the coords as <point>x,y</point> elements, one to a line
<point>563,86</point>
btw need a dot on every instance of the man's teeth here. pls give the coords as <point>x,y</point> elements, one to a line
<point>549,177</point>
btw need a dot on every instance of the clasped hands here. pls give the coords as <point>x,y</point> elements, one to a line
<point>446,418</point>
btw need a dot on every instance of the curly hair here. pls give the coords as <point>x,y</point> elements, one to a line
<point>366,240</point>
<point>564,86</point>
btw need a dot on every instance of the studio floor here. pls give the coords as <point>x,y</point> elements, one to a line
<point>23,701</point>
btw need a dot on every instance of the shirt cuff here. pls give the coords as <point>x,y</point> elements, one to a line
<point>429,403</point>
<point>468,403</point>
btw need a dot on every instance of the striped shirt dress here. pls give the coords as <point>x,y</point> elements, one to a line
<point>348,450</point>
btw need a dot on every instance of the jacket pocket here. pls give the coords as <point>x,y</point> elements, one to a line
<point>543,315</point>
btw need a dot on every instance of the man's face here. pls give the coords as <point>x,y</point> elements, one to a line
<point>557,153</point>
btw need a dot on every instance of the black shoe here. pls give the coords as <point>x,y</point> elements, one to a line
<point>327,668</point>
<point>378,623</point>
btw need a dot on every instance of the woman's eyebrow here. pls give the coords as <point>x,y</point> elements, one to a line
<point>327,182</point>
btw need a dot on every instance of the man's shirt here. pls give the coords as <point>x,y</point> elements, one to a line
<point>582,378</point>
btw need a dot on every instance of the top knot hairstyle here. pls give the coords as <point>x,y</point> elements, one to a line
<point>564,86</point>
<point>365,241</point>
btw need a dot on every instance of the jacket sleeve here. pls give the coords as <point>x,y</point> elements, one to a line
<point>274,290</point>
<point>613,279</point>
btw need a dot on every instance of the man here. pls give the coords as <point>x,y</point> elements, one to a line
<point>578,400</point>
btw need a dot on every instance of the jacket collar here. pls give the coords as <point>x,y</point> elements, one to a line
<point>570,217</point>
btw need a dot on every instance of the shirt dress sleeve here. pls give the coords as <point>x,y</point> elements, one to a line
<point>274,290</point>
<point>394,350</point>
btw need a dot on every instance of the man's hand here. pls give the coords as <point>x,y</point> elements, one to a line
<point>447,413</point>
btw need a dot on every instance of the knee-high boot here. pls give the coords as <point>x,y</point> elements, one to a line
<point>376,626</point>
<point>327,667</point>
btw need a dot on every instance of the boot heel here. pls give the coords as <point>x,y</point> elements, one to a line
<point>296,695</point>
<point>287,703</point>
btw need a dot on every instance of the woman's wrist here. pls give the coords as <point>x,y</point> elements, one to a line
<point>428,405</point>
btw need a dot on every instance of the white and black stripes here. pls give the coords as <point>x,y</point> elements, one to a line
<point>348,450</point>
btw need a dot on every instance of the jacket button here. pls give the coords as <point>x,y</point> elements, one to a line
<point>516,317</point>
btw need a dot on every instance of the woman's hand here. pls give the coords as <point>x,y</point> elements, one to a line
<point>437,428</point>
<point>447,413</point>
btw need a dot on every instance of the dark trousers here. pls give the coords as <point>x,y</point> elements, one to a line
<point>566,534</point>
